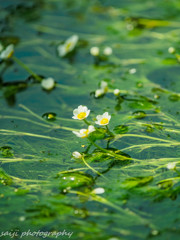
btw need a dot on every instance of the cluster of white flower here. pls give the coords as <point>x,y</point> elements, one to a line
<point>104,89</point>
<point>6,52</point>
<point>70,44</point>
<point>95,51</point>
<point>81,113</point>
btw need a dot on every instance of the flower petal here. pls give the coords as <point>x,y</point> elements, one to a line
<point>87,113</point>
<point>75,111</point>
<point>74,117</point>
<point>77,133</point>
<point>91,128</point>
<point>61,50</point>
<point>99,117</point>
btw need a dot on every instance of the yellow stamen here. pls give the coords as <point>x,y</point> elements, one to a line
<point>10,54</point>
<point>50,116</point>
<point>86,133</point>
<point>81,115</point>
<point>104,121</point>
<point>106,89</point>
<point>68,46</point>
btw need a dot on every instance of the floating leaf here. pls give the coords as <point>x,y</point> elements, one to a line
<point>174,97</point>
<point>137,181</point>
<point>141,105</point>
<point>98,134</point>
<point>139,84</point>
<point>6,151</point>
<point>121,129</point>
<point>165,184</point>
<point>74,180</point>
<point>139,114</point>
<point>20,191</point>
<point>5,179</point>
<point>49,116</point>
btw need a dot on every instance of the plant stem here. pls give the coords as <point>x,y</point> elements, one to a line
<point>109,132</point>
<point>86,122</point>
<point>87,150</point>
<point>26,68</point>
<point>102,200</point>
<point>92,168</point>
<point>122,158</point>
<point>16,133</point>
<point>119,136</point>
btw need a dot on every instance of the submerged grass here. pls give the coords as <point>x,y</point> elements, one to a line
<point>134,163</point>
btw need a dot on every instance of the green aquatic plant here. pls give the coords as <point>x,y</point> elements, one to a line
<point>119,179</point>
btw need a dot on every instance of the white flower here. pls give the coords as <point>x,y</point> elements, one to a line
<point>102,90</point>
<point>22,218</point>
<point>129,26</point>
<point>99,92</point>
<point>98,190</point>
<point>103,119</point>
<point>7,52</point>
<point>171,166</point>
<point>113,238</point>
<point>77,155</point>
<point>81,112</point>
<point>132,70</point>
<point>116,92</point>
<point>104,86</point>
<point>171,50</point>
<point>68,46</point>
<point>48,83</point>
<point>85,132</point>
<point>107,51</point>
<point>94,51</point>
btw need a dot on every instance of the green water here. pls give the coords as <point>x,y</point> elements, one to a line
<point>42,187</point>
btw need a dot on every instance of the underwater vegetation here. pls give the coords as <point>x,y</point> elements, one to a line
<point>89,120</point>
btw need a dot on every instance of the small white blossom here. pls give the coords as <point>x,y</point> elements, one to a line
<point>107,51</point>
<point>22,218</point>
<point>129,26</point>
<point>98,190</point>
<point>113,238</point>
<point>171,166</point>
<point>154,232</point>
<point>7,52</point>
<point>104,86</point>
<point>48,83</point>
<point>99,92</point>
<point>102,90</point>
<point>132,70</point>
<point>171,50</point>
<point>77,155</point>
<point>83,133</point>
<point>94,51</point>
<point>68,46</point>
<point>81,112</point>
<point>116,92</point>
<point>103,119</point>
